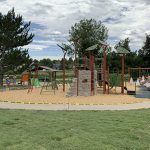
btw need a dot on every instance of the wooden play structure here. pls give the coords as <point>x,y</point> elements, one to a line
<point>31,78</point>
<point>139,72</point>
<point>89,78</point>
<point>33,75</point>
<point>50,83</point>
<point>85,84</point>
<point>64,50</point>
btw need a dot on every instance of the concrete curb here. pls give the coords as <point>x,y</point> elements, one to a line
<point>4,105</point>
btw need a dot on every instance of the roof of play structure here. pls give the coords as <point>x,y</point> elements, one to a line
<point>122,50</point>
<point>48,69</point>
<point>42,68</point>
<point>92,48</point>
<point>97,46</point>
<point>103,43</point>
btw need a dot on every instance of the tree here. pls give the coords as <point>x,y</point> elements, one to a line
<point>46,62</point>
<point>144,52</point>
<point>87,33</point>
<point>70,63</point>
<point>14,34</point>
<point>22,57</point>
<point>124,43</point>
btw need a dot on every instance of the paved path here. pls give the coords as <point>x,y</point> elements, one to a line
<point>74,107</point>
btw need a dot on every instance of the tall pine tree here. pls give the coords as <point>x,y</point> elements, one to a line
<point>144,52</point>
<point>14,34</point>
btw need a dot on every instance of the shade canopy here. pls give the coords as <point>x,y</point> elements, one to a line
<point>92,48</point>
<point>122,50</point>
<point>97,46</point>
<point>45,68</point>
<point>48,69</point>
<point>103,43</point>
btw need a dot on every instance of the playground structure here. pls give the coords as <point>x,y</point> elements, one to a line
<point>31,77</point>
<point>51,81</point>
<point>139,72</point>
<point>85,83</point>
<point>89,79</point>
<point>142,76</point>
<point>88,76</point>
<point>92,78</point>
<point>91,75</point>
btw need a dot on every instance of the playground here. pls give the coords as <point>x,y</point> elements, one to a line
<point>74,75</point>
<point>58,96</point>
<point>89,85</point>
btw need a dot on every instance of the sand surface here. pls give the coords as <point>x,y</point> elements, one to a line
<point>22,96</point>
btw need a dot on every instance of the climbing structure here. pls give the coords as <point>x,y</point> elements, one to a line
<point>122,52</point>
<point>86,82</point>
<point>50,83</point>
<point>33,75</point>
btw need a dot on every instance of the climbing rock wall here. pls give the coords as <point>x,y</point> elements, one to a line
<point>82,84</point>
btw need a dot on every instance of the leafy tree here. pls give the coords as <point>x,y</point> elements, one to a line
<point>144,52</point>
<point>14,33</point>
<point>87,33</point>
<point>70,63</point>
<point>46,62</point>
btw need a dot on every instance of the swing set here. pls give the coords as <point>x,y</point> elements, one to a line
<point>139,72</point>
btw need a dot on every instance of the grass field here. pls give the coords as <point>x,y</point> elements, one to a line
<point>82,130</point>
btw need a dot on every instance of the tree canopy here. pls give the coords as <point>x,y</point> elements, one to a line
<point>87,33</point>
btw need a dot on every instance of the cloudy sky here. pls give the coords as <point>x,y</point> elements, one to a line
<point>52,19</point>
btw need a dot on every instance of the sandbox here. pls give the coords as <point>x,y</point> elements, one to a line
<point>48,97</point>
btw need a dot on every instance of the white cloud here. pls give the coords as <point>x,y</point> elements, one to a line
<point>36,47</point>
<point>124,18</point>
<point>46,57</point>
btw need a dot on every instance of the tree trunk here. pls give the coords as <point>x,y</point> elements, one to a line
<point>1,67</point>
<point>1,74</point>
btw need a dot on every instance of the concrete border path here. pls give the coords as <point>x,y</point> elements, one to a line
<point>74,107</point>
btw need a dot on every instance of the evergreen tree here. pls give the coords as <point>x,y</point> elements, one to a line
<point>22,57</point>
<point>144,52</point>
<point>14,33</point>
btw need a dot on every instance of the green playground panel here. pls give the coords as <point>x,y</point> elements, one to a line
<point>35,82</point>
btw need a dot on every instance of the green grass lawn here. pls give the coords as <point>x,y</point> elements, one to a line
<point>74,130</point>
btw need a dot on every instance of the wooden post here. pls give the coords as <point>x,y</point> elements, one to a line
<point>104,71</point>
<point>108,73</point>
<point>122,61</point>
<point>129,72</point>
<point>139,72</point>
<point>75,62</point>
<point>77,82</point>
<point>92,73</point>
<point>64,72</point>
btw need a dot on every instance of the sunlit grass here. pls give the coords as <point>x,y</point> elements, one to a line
<point>82,130</point>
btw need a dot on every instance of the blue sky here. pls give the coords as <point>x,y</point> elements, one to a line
<point>52,19</point>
